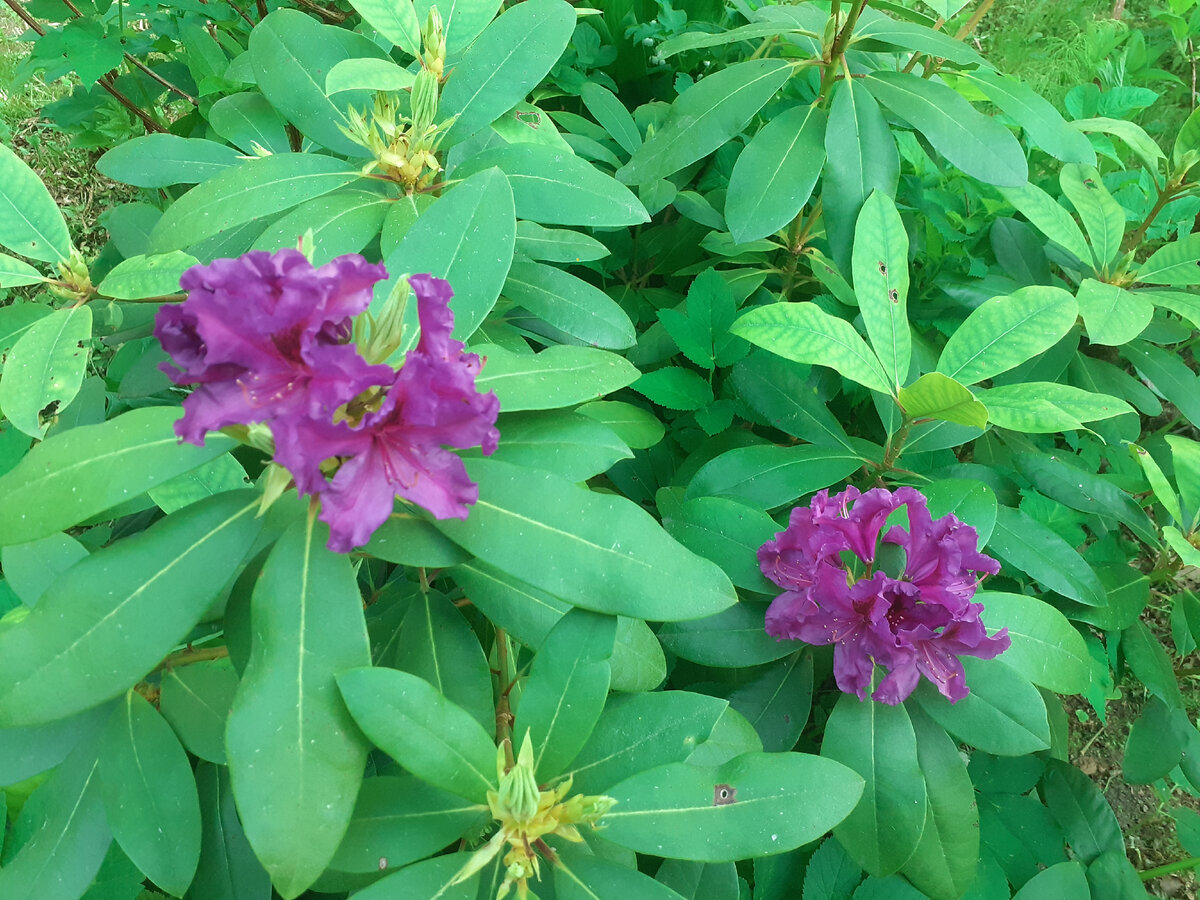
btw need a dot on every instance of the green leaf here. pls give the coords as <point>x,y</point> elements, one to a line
<point>247,119</point>
<point>725,531</point>
<point>228,869</point>
<point>461,21</point>
<point>947,856</point>
<point>782,393</point>
<point>880,266</point>
<point>466,237</point>
<point>1177,263</point>
<point>1113,315</point>
<point>1065,881</point>
<point>196,699</point>
<point>150,794</point>
<point>675,388</point>
<point>1041,121</point>
<point>556,377</point>
<point>368,75</point>
<point>398,820</point>
<point>975,143</point>
<point>599,552</point>
<point>861,156</point>
<point>1143,146</point>
<point>161,160</point>
<point>732,639</point>
<point>557,244</point>
<point>566,689</point>
<point>146,276</point>
<point>396,20</point>
<point>766,476</point>
<point>1046,648</point>
<point>504,64</point>
<point>1003,713</point>
<point>704,117</point>
<point>638,661</point>
<point>637,427</point>
<point>699,40</point>
<point>1172,379</point>
<point>573,446</point>
<point>878,742</point>
<point>433,738</point>
<point>558,188</point>
<point>756,804</point>
<point>294,753</point>
<point>81,646</point>
<point>612,115</point>
<point>428,878</point>
<point>569,304</point>
<point>777,702</point>
<point>1007,331</point>
<point>805,333</point>
<point>291,53</point>
<point>31,568</point>
<point>1041,407</point>
<point>581,875</point>
<point>1156,743</point>
<point>222,474</point>
<point>1086,818</point>
<point>1113,872</point>
<point>700,325</point>
<point>936,396</point>
<point>30,221</point>
<point>912,36</point>
<point>17,273</point>
<point>1102,216</point>
<point>256,188</point>
<point>79,473</point>
<point>1050,219</point>
<point>776,173</point>
<point>1148,659</point>
<point>342,222</point>
<point>45,368</point>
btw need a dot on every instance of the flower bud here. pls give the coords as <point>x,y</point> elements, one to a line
<point>424,101</point>
<point>518,797</point>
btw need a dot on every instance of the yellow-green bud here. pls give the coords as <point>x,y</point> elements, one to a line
<point>518,798</point>
<point>433,39</point>
<point>424,100</point>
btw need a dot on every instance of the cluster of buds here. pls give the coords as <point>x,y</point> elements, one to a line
<point>526,814</point>
<point>404,148</point>
<point>73,282</point>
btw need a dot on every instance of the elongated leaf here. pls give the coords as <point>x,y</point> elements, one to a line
<point>466,237</point>
<point>612,115</point>
<point>880,260</point>
<point>766,476</point>
<point>936,396</point>
<point>1144,147</point>
<point>228,869</point>
<point>1178,263</point>
<point>139,277</point>
<point>462,21</point>
<point>30,222</point>
<point>1050,219</point>
<point>754,804</point>
<point>1039,407</point>
<point>554,378</point>
<point>698,40</point>
<point>150,794</point>
<point>1043,123</point>
<point>776,173</point>
<point>45,368</point>
<point>247,119</point>
<point>342,222</point>
<point>977,144</point>
<point>912,36</point>
<point>558,188</point>
<point>1006,331</point>
<point>1065,881</point>
<point>82,645</point>
<point>878,742</point>
<point>731,639</point>
<point>570,304</point>
<point>1046,648</point>
<point>161,160</point>
<point>294,753</point>
<point>707,115</point>
<point>17,273</point>
<point>25,752</point>
<point>512,55</point>
<point>396,20</point>
<point>432,737</point>
<point>1003,713</point>
<point>599,552</point>
<point>1113,315</point>
<point>430,878</point>
<point>804,333</point>
<point>1085,816</point>
<point>256,188</point>
<point>196,699</point>
<point>1102,216</point>
<point>782,393</point>
<point>88,469</point>
<point>777,702</point>
<point>368,75</point>
<point>565,692</point>
<point>557,244</point>
<point>725,531</point>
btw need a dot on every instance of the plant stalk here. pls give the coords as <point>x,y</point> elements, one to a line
<point>1181,865</point>
<point>973,22</point>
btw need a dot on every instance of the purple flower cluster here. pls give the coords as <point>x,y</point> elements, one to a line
<point>919,623</point>
<point>266,338</point>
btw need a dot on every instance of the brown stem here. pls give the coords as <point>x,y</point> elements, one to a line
<point>1135,237</point>
<point>150,124</point>
<point>262,8</point>
<point>25,16</point>
<point>295,138</point>
<point>241,12</point>
<point>192,655</point>
<point>937,26</point>
<point>839,46</point>
<point>168,85</point>
<point>973,22</point>
<point>329,15</point>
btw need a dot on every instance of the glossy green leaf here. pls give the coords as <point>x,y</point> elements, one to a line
<point>612,115</point>
<point>1146,656</point>
<point>586,876</point>
<point>294,753</point>
<point>913,36</point>
<point>699,40</point>
<point>228,869</point>
<point>342,222</point>
<point>556,377</point>
<point>557,244</point>
<point>256,188</point>
<point>79,473</point>
<point>161,160</point>
<point>1065,881</point>
<point>1003,713</point>
<point>1041,121</point>
<point>45,368</point>
<point>524,611</point>
<point>466,237</point>
<point>368,75</point>
<point>1046,648</point>
<point>1112,315</point>
<point>1080,808</point>
<point>507,60</point>
<point>1144,147</point>
<point>396,20</point>
<point>880,267</point>
<point>573,446</point>
<point>1050,219</point>
<point>31,568</point>
<point>1103,217</point>
<point>937,396</point>
<point>146,276</point>
<point>25,752</point>
<point>150,794</point>
<point>599,552</point>
<point>410,540</point>
<point>462,22</point>
<point>878,742</point>
<point>558,188</point>
<point>784,395</point>
<point>1006,331</point>
<point>704,117</point>
<point>428,878</point>
<point>566,689</point>
<point>731,639</point>
<point>777,702</point>
<point>1040,407</point>
<point>766,476</point>
<point>30,221</point>
<point>975,143</point>
<point>432,737</point>
<point>1112,872</point>
<point>1156,744</point>
<point>247,119</point>
<point>725,531</point>
<point>80,646</point>
<point>196,699</point>
<point>775,175</point>
<point>569,304</point>
<point>17,273</point>
<point>753,805</point>
<point>804,333</point>
<point>675,387</point>
<point>1177,263</point>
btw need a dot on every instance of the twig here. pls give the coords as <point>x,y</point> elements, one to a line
<point>1118,9</point>
<point>329,15</point>
<point>170,87</point>
<point>25,17</point>
<point>973,22</point>
<point>262,9</point>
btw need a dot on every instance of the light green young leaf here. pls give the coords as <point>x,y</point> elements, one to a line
<point>1177,263</point>
<point>556,377</point>
<point>1143,146</point>
<point>1050,219</point>
<point>140,277</point>
<point>396,20</point>
<point>937,396</point>
<point>1044,124</point>
<point>1102,216</point>
<point>1042,407</point>
<point>17,273</point>
<point>1113,316</point>
<point>45,368</point>
<point>30,221</point>
<point>570,304</point>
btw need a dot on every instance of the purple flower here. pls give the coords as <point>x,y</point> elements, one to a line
<point>916,624</point>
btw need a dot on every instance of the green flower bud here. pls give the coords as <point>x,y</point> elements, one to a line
<point>518,798</point>
<point>424,100</point>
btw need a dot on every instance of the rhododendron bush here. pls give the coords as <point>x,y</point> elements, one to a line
<point>618,452</point>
